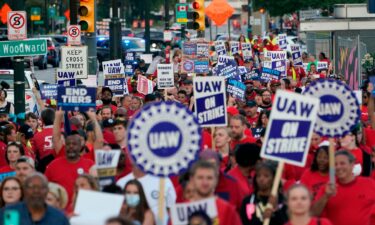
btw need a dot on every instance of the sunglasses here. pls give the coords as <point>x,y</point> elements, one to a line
<point>120,115</point>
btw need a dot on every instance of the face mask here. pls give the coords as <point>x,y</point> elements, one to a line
<point>132,200</point>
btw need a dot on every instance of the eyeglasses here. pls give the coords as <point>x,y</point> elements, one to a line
<point>11,188</point>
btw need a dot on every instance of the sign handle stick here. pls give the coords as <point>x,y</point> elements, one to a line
<point>160,219</point>
<point>275,187</point>
<point>212,138</point>
<point>332,160</point>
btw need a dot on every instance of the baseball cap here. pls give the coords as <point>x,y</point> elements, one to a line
<point>27,131</point>
<point>26,159</point>
<point>187,81</point>
<point>232,110</point>
<point>107,89</point>
<point>275,82</point>
<point>251,103</point>
<point>108,123</point>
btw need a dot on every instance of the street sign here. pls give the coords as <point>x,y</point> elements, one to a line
<point>74,35</point>
<point>181,13</point>
<point>23,48</point>
<point>39,22</point>
<point>167,35</point>
<point>35,14</point>
<point>75,58</point>
<point>17,25</point>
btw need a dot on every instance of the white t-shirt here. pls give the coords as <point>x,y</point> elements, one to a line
<point>151,185</point>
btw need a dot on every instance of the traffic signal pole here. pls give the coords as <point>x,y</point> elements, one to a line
<point>73,5</point>
<point>19,76</point>
<point>147,26</point>
<point>115,47</point>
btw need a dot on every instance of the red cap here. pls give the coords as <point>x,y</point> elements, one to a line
<point>232,110</point>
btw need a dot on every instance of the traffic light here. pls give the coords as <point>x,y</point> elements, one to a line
<point>86,12</point>
<point>197,15</point>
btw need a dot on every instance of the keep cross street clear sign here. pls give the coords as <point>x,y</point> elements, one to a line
<point>23,48</point>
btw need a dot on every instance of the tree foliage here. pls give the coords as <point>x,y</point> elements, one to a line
<point>282,7</point>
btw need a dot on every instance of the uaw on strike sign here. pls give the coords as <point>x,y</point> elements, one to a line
<point>289,131</point>
<point>164,138</point>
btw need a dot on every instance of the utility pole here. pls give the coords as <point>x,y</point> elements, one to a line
<point>147,26</point>
<point>115,46</point>
<point>166,14</point>
<point>91,46</point>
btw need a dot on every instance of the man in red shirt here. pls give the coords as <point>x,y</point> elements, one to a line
<point>351,200</point>
<point>65,170</point>
<point>204,177</point>
<point>246,155</point>
<point>119,132</point>
<point>107,99</point>
<point>238,126</point>
<point>251,110</point>
<point>42,141</point>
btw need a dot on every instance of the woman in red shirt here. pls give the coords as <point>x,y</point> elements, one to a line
<point>317,175</point>
<point>299,203</point>
<point>14,151</point>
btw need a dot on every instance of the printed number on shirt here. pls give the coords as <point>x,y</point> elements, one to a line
<point>48,142</point>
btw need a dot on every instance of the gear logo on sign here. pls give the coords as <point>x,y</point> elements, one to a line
<point>339,110</point>
<point>164,138</point>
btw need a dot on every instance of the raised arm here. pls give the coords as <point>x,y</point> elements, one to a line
<point>99,140</point>
<point>56,136</point>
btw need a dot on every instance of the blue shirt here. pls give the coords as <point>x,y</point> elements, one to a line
<point>51,216</point>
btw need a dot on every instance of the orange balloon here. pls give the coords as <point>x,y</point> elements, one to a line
<point>219,11</point>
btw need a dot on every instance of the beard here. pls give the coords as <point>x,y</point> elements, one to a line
<point>35,202</point>
<point>106,101</point>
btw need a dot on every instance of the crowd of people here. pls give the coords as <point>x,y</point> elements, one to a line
<point>48,159</point>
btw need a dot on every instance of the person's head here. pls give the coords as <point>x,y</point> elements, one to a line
<point>313,68</point>
<point>118,221</point>
<point>348,142</point>
<point>73,146</point>
<point>25,166</point>
<point>237,125</point>
<point>121,113</point>
<point>136,103</point>
<point>11,191</point>
<point>32,120</point>
<point>81,118</point>
<point>247,155</point>
<point>321,160</point>
<point>204,177</point>
<point>182,96</point>
<point>126,101</point>
<point>263,118</point>
<point>266,97</point>
<point>106,113</point>
<point>47,116</point>
<point>199,218</point>
<point>57,196</point>
<point>251,108</point>
<point>264,175</point>
<point>119,130</point>
<point>274,86</point>
<point>135,198</point>
<point>86,182</point>
<point>322,56</point>
<point>36,190</point>
<point>315,140</point>
<point>222,137</point>
<point>188,86</point>
<point>106,96</point>
<point>3,95</point>
<point>7,133</point>
<point>305,55</point>
<point>14,151</point>
<point>344,164</point>
<point>298,199</point>
<point>285,84</point>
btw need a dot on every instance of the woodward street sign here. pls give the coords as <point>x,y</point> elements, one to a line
<point>23,48</point>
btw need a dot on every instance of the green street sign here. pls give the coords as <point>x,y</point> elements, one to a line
<point>23,47</point>
<point>39,22</point>
<point>181,13</point>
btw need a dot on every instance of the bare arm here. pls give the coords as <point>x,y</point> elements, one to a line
<point>39,100</point>
<point>319,205</point>
<point>99,140</point>
<point>149,218</point>
<point>56,137</point>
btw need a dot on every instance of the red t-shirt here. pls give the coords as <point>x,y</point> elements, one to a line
<point>246,139</point>
<point>227,189</point>
<point>352,204</point>
<point>108,136</point>
<point>314,180</point>
<point>245,183</point>
<point>227,214</point>
<point>65,173</point>
<point>3,150</point>
<point>6,169</point>
<point>252,120</point>
<point>42,142</point>
<point>370,137</point>
<point>314,221</point>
